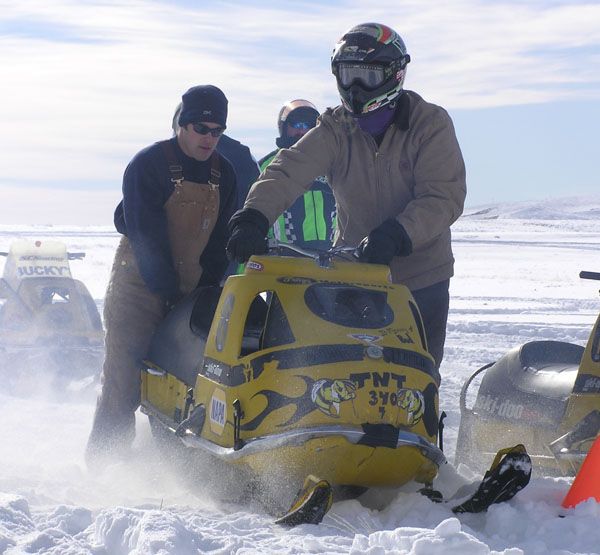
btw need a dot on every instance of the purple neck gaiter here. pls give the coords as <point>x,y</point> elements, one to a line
<point>376,122</point>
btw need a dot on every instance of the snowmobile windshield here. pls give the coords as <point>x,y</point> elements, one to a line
<point>368,75</point>
<point>596,346</point>
<point>349,306</point>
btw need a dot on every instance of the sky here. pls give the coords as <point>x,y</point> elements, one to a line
<point>87,84</point>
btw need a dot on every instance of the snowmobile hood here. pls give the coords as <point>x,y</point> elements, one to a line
<point>32,259</point>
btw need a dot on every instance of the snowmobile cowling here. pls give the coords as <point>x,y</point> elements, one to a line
<point>300,366</point>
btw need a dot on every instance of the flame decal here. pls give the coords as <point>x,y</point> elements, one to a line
<point>275,400</point>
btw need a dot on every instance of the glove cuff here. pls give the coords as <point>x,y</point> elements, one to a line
<point>395,230</point>
<point>250,216</point>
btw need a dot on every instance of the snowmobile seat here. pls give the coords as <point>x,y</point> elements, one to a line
<point>254,326</point>
<point>203,312</point>
<point>277,330</point>
<point>178,343</point>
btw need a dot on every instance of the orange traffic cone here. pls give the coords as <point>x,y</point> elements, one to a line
<point>587,480</point>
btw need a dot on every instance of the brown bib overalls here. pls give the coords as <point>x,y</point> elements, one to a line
<point>132,312</point>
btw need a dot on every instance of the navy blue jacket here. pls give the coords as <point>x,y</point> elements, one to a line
<point>141,216</point>
<point>244,165</point>
<point>246,172</point>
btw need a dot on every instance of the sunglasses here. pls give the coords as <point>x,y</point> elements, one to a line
<point>301,125</point>
<point>202,129</point>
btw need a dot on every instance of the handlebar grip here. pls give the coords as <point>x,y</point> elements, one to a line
<point>589,275</point>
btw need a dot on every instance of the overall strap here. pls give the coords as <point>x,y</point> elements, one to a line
<point>175,167</point>
<point>215,171</point>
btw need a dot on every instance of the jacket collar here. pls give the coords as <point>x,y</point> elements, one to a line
<point>401,117</point>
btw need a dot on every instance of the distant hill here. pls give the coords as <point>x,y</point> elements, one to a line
<point>566,208</point>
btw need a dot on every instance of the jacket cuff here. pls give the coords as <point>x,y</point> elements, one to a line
<point>250,216</point>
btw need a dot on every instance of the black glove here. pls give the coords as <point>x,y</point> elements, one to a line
<point>248,234</point>
<point>383,243</point>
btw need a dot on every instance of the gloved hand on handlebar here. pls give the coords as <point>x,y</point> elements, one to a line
<point>248,230</point>
<point>387,240</point>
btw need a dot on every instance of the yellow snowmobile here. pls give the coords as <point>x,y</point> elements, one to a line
<point>302,366</point>
<point>50,328</point>
<point>545,394</point>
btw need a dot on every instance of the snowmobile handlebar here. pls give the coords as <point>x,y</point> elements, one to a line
<point>322,257</point>
<point>589,275</point>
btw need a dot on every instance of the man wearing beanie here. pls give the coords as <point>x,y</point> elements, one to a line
<point>178,196</point>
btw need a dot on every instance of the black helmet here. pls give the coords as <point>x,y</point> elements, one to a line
<point>295,111</point>
<point>369,64</point>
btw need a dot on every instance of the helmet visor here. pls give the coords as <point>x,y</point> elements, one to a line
<point>370,76</point>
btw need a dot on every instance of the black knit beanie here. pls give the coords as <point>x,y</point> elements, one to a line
<point>203,103</point>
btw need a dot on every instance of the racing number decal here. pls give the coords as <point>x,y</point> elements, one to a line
<point>411,400</point>
<point>383,398</point>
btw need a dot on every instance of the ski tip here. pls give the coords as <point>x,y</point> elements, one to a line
<point>310,506</point>
<point>501,483</point>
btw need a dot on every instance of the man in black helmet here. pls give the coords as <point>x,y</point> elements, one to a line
<point>178,195</point>
<point>310,221</point>
<point>395,167</point>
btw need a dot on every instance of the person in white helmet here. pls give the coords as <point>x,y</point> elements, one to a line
<point>310,221</point>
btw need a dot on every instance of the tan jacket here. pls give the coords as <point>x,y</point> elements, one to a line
<point>416,175</point>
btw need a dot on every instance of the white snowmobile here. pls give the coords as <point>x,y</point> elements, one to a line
<point>50,329</point>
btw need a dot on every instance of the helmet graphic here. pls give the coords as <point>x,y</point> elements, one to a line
<point>369,64</point>
<point>295,112</point>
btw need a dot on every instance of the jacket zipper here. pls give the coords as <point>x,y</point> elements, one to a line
<point>377,182</point>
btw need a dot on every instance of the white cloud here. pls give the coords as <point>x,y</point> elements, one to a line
<point>77,110</point>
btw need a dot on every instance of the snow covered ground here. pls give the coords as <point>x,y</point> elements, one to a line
<point>516,280</point>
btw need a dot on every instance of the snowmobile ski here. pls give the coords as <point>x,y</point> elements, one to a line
<point>311,504</point>
<point>510,473</point>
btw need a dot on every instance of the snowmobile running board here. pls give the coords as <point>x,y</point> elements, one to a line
<point>298,437</point>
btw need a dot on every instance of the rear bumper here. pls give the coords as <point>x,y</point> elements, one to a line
<point>300,436</point>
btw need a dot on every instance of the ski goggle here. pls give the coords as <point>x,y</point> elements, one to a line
<point>301,125</point>
<point>202,129</point>
<point>370,76</point>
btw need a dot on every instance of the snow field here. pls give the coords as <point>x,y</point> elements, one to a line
<point>516,280</point>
